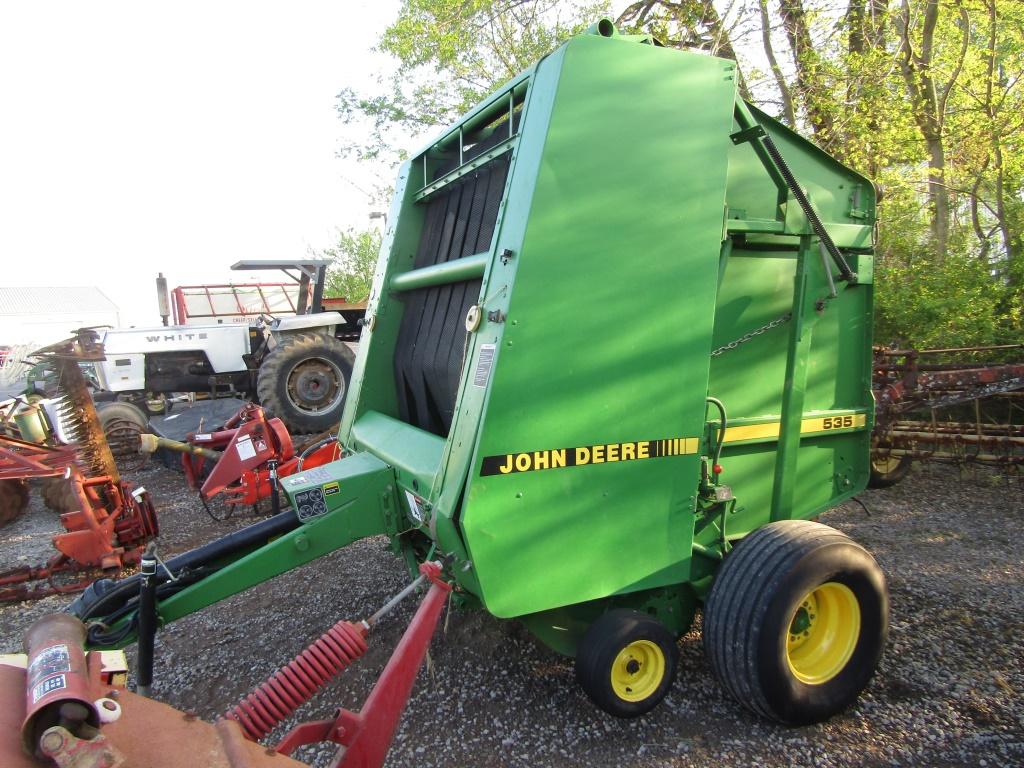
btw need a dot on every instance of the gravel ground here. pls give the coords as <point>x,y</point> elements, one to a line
<point>950,690</point>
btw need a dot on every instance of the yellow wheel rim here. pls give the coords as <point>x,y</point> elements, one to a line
<point>638,670</point>
<point>887,465</point>
<point>823,632</point>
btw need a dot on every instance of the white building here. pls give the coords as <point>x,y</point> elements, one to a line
<point>42,316</point>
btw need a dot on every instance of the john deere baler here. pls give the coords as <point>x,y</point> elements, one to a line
<point>617,357</point>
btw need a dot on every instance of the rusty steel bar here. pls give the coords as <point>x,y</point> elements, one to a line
<point>969,458</point>
<point>940,437</point>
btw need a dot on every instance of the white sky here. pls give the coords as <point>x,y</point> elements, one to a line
<point>178,137</point>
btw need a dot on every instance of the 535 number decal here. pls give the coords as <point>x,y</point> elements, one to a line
<point>837,422</point>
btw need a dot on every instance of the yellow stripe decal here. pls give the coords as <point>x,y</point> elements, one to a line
<point>807,427</point>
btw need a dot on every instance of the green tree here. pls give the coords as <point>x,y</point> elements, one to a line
<point>924,97</point>
<point>449,54</point>
<point>353,260</point>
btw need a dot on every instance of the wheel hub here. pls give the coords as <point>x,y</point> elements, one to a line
<point>823,633</point>
<point>885,466</point>
<point>315,385</point>
<point>638,670</point>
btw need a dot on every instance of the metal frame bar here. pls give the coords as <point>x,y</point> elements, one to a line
<point>465,168</point>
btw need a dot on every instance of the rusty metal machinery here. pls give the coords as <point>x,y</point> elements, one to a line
<point>69,706</point>
<point>105,532</point>
<point>946,405</point>
<point>77,410</point>
<point>107,521</point>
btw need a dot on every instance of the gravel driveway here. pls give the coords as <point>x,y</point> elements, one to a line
<point>950,691</point>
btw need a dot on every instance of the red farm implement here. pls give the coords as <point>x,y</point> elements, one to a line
<point>104,534</point>
<point>946,405</point>
<point>106,521</point>
<point>238,464</point>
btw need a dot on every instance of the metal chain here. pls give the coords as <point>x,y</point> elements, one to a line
<point>756,332</point>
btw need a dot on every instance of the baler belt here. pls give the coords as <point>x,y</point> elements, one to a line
<point>428,359</point>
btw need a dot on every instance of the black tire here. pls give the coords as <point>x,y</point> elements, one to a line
<point>304,381</point>
<point>757,639</point>
<point>13,500</point>
<point>59,495</point>
<point>117,409</point>
<point>122,423</point>
<point>623,648</point>
<point>887,471</point>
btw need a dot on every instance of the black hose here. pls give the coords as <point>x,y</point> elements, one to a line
<point>313,447</point>
<point>110,595</point>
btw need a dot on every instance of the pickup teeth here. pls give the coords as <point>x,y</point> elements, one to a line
<point>77,414</point>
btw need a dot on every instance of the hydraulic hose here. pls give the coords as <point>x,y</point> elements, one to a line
<point>721,430</point>
<point>106,596</point>
<point>315,446</point>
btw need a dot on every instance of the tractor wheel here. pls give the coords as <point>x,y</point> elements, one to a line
<point>303,381</point>
<point>796,621</point>
<point>59,495</point>
<point>626,662</point>
<point>888,470</point>
<point>122,424</point>
<point>13,500</point>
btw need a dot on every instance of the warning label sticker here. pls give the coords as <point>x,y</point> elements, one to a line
<point>49,686</point>
<point>50,661</point>
<point>484,361</point>
<point>245,448</point>
<point>310,503</point>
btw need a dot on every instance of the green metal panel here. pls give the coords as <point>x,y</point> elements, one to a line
<point>824,466</point>
<point>625,218</point>
<point>611,288</point>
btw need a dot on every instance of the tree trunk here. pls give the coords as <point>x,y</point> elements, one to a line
<point>812,91</point>
<point>929,113</point>
<point>938,192</point>
<point>769,51</point>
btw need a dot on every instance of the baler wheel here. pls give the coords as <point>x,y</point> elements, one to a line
<point>886,472</point>
<point>13,500</point>
<point>796,621</point>
<point>626,663</point>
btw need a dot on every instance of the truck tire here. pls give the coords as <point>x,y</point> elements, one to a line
<point>626,662</point>
<point>59,495</point>
<point>796,621</point>
<point>886,471</point>
<point>304,380</point>
<point>13,500</point>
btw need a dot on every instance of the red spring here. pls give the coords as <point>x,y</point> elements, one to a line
<point>293,685</point>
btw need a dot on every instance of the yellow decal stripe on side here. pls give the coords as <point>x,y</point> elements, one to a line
<point>807,427</point>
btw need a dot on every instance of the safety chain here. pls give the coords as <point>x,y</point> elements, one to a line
<point>756,332</point>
